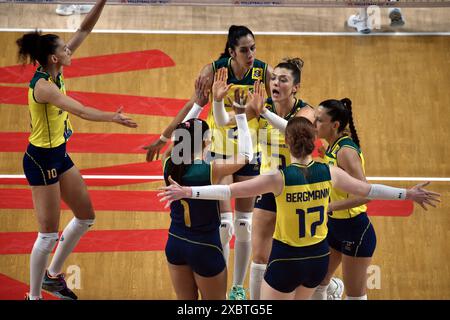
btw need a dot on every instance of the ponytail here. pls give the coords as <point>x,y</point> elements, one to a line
<point>341,110</point>
<point>348,105</point>
<point>234,34</point>
<point>186,135</point>
<point>300,135</point>
<point>35,47</point>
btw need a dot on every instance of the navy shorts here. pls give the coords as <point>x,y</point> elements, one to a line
<point>266,202</point>
<point>248,170</point>
<point>43,166</point>
<point>353,237</point>
<point>290,267</point>
<point>201,251</point>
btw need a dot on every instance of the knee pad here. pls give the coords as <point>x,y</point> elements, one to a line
<point>226,227</point>
<point>243,228</point>
<point>45,242</point>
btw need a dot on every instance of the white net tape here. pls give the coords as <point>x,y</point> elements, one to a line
<point>278,3</point>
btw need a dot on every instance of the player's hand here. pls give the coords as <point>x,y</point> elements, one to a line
<point>422,196</point>
<point>202,91</point>
<point>240,100</point>
<point>153,149</point>
<point>220,87</point>
<point>123,119</point>
<point>256,99</point>
<point>174,192</point>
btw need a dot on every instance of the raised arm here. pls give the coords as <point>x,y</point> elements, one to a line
<point>86,26</point>
<point>248,103</point>
<point>269,71</point>
<point>342,180</point>
<point>46,92</point>
<point>245,150</point>
<point>155,147</point>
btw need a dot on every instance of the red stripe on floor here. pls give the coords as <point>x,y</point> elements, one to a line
<point>93,241</point>
<point>153,168</point>
<point>132,104</point>
<point>137,169</point>
<point>103,200</point>
<point>104,101</point>
<point>12,289</point>
<point>148,201</point>
<point>392,208</point>
<point>85,142</point>
<point>89,66</point>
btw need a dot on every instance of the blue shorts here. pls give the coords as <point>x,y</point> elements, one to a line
<point>248,170</point>
<point>43,166</point>
<point>290,267</point>
<point>266,202</point>
<point>201,251</point>
<point>353,237</point>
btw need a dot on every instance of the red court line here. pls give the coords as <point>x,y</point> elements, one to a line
<point>390,208</point>
<point>106,102</point>
<point>84,142</point>
<point>90,142</point>
<point>136,169</point>
<point>117,200</point>
<point>94,241</point>
<point>103,200</point>
<point>12,289</point>
<point>97,65</point>
<point>153,168</point>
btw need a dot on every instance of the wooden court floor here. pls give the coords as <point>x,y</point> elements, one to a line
<point>399,88</point>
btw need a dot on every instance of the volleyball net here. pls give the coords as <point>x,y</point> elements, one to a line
<point>261,3</point>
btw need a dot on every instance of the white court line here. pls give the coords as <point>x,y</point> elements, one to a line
<point>263,33</point>
<point>125,177</point>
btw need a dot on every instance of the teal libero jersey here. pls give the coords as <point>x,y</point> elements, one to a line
<point>224,139</point>
<point>195,214</point>
<point>302,205</point>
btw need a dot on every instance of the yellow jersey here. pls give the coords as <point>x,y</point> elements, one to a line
<point>224,139</point>
<point>50,125</point>
<point>336,194</point>
<point>274,150</point>
<point>302,205</point>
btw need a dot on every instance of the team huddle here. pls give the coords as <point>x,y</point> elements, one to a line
<point>293,216</point>
<point>302,223</point>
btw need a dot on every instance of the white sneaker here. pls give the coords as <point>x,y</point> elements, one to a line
<point>67,10</point>
<point>335,290</point>
<point>354,21</point>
